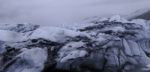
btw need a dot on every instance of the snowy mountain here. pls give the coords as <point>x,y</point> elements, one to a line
<point>102,45</point>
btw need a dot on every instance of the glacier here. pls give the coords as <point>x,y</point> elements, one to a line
<point>102,45</point>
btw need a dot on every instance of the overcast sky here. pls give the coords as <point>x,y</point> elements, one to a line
<point>58,12</point>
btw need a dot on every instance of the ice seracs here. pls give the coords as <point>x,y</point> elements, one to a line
<point>107,45</point>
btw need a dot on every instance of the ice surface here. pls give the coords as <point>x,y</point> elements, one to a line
<point>10,36</point>
<point>70,51</point>
<point>141,22</point>
<point>30,60</point>
<point>54,34</point>
<point>73,55</point>
<point>127,48</point>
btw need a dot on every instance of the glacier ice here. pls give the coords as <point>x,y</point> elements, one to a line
<point>102,45</point>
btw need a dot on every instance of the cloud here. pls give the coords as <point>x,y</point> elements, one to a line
<point>58,12</point>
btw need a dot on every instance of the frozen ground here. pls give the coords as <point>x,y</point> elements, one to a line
<point>64,12</point>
